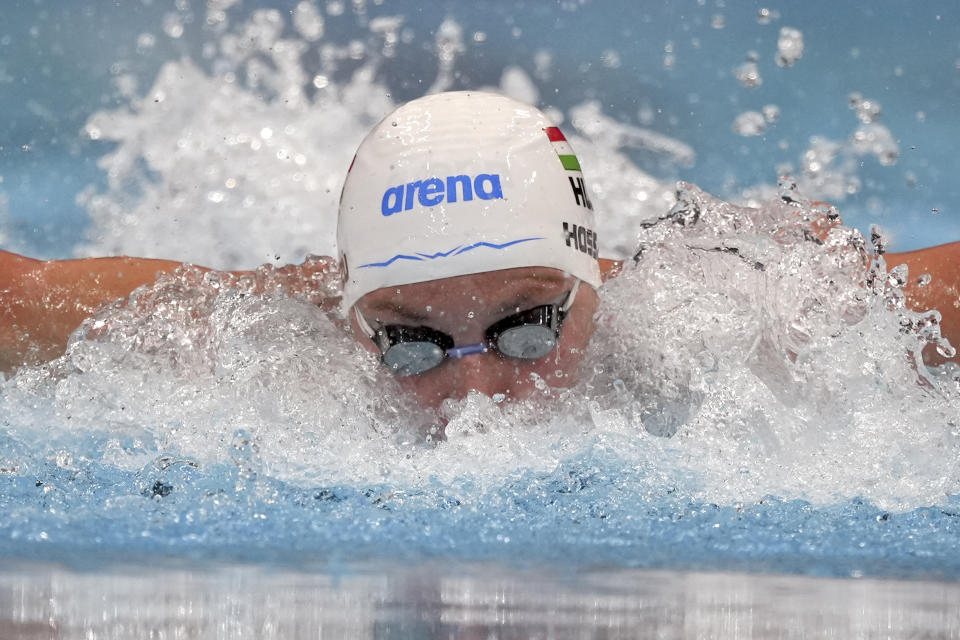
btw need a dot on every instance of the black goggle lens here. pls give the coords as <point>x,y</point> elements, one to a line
<point>413,358</point>
<point>409,351</point>
<point>530,342</point>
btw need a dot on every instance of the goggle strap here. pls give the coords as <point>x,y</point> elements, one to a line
<point>364,325</point>
<point>570,296</point>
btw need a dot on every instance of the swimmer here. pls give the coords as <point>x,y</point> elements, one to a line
<point>468,252</point>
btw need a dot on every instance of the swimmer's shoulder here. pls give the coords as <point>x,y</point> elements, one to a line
<point>609,268</point>
<point>42,302</point>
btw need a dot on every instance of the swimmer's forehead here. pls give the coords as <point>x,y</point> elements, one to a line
<point>496,290</point>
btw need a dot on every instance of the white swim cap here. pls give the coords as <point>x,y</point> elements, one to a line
<point>459,183</point>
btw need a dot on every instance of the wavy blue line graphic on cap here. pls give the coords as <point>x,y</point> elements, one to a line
<point>456,251</point>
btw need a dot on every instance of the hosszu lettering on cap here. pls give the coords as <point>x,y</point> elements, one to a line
<point>432,191</point>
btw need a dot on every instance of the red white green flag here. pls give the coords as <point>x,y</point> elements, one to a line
<point>563,149</point>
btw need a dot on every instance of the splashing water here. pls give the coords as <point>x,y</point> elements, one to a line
<point>754,386</point>
<point>739,357</point>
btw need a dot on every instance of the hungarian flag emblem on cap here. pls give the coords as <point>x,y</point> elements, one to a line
<point>563,149</point>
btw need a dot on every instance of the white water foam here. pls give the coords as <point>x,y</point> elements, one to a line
<point>739,333</point>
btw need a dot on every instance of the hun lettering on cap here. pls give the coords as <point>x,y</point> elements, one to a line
<point>430,192</point>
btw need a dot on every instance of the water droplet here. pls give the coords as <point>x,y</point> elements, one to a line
<point>173,25</point>
<point>945,349</point>
<point>750,123</point>
<point>748,74</point>
<point>308,21</point>
<point>766,16</point>
<point>145,42</point>
<point>867,110</point>
<point>898,276</point>
<point>789,47</point>
<point>610,59</point>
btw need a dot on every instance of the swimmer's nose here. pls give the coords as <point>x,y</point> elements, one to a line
<point>483,372</point>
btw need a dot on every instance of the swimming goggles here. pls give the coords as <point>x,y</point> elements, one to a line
<point>530,335</point>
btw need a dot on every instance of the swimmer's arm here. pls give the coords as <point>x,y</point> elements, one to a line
<point>41,303</point>
<point>943,292</point>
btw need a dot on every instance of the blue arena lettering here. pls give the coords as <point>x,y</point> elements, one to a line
<point>392,200</point>
<point>487,194</point>
<point>430,192</point>
<point>466,188</point>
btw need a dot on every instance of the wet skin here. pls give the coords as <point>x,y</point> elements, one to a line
<point>464,307</point>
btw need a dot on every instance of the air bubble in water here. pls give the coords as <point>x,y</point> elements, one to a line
<point>789,47</point>
<point>771,112</point>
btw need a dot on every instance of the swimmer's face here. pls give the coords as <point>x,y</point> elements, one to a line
<point>463,307</point>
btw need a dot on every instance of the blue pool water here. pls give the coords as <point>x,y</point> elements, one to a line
<point>747,405</point>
